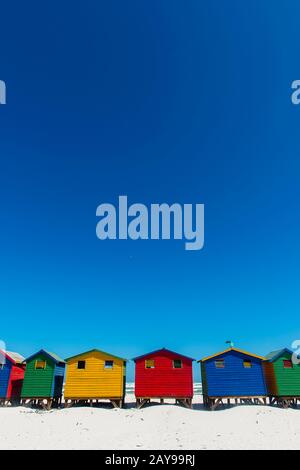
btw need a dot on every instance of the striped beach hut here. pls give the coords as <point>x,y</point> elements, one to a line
<point>93,376</point>
<point>282,373</point>
<point>233,374</point>
<point>163,374</point>
<point>43,380</point>
<point>12,370</point>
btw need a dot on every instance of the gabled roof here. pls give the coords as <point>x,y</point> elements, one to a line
<point>162,350</point>
<point>54,357</point>
<point>241,351</point>
<point>96,350</point>
<point>272,356</point>
<point>13,357</point>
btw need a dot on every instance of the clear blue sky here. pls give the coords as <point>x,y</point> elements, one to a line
<point>163,101</point>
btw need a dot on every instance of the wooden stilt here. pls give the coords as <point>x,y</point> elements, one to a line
<point>142,403</point>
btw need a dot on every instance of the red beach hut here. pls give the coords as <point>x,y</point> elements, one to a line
<point>163,374</point>
<point>12,369</point>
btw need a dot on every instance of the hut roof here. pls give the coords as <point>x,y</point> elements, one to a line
<point>272,356</point>
<point>54,357</point>
<point>96,350</point>
<point>241,351</point>
<point>14,357</point>
<point>163,350</point>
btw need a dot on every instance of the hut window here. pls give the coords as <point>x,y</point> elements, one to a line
<point>287,364</point>
<point>177,364</point>
<point>149,363</point>
<point>220,364</point>
<point>40,364</point>
<point>81,365</point>
<point>247,364</point>
<point>108,364</point>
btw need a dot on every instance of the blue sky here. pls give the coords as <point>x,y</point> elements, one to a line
<point>163,101</point>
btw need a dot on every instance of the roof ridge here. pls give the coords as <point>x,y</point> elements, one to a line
<point>162,349</point>
<point>52,355</point>
<point>225,351</point>
<point>96,350</point>
<point>273,355</point>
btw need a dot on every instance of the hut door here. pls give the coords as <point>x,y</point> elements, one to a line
<point>16,387</point>
<point>58,384</point>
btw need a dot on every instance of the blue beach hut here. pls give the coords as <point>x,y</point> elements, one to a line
<point>233,374</point>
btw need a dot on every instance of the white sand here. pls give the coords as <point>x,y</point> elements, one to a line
<point>155,427</point>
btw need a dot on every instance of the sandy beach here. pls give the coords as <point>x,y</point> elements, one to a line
<point>166,427</point>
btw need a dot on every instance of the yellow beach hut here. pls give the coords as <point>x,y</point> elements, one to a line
<point>94,376</point>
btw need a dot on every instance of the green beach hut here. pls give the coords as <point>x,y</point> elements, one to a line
<point>282,378</point>
<point>43,380</point>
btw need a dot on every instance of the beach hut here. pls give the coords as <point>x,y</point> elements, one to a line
<point>43,380</point>
<point>282,378</point>
<point>163,374</point>
<point>233,374</point>
<point>93,376</point>
<point>11,377</point>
